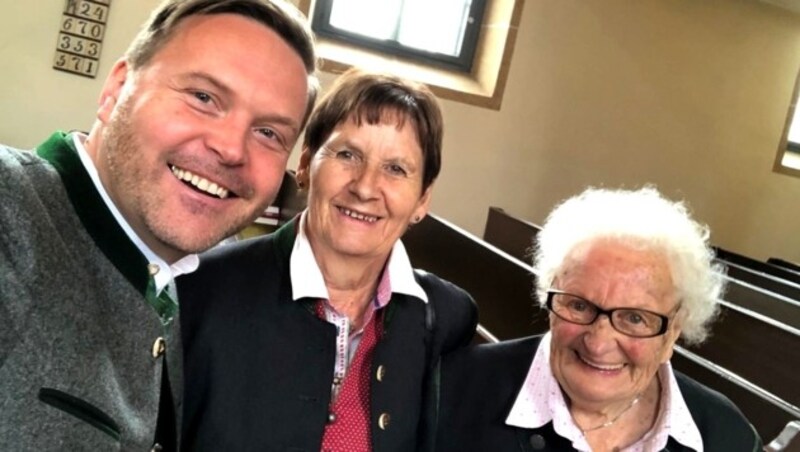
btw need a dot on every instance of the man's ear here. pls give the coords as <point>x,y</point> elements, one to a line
<point>303,168</point>
<point>112,88</point>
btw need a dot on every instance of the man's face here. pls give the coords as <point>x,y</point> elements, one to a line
<point>194,144</point>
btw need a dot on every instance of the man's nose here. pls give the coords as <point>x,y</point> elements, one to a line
<point>228,139</point>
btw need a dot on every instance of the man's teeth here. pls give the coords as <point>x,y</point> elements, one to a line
<point>358,216</point>
<point>200,183</point>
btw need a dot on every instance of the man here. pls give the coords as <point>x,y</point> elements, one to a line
<point>194,127</point>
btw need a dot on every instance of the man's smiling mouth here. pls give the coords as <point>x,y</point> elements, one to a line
<point>200,183</point>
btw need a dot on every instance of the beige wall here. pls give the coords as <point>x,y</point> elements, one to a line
<point>689,95</point>
<point>36,99</point>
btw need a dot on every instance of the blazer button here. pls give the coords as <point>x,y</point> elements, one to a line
<point>383,421</point>
<point>158,347</point>
<point>156,448</point>
<point>537,442</point>
<point>380,372</point>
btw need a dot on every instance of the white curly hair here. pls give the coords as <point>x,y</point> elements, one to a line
<point>644,219</point>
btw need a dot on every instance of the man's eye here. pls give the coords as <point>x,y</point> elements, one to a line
<point>344,155</point>
<point>269,133</point>
<point>202,97</point>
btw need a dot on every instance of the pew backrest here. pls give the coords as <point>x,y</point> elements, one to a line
<point>500,284</point>
<point>791,266</point>
<point>513,235</point>
<point>762,301</point>
<point>771,283</point>
<point>756,265</point>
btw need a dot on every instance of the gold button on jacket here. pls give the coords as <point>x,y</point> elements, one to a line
<point>158,347</point>
<point>383,421</point>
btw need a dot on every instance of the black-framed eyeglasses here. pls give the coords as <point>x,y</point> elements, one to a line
<point>628,321</point>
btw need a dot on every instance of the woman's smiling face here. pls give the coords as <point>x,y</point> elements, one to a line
<point>595,364</point>
<point>365,187</point>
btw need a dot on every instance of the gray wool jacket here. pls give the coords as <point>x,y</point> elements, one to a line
<point>78,370</point>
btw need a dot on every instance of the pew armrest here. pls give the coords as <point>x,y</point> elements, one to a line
<point>787,436</point>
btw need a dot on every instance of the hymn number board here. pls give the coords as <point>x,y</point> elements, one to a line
<point>80,38</point>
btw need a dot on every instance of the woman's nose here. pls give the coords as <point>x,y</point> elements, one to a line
<point>600,336</point>
<point>365,183</point>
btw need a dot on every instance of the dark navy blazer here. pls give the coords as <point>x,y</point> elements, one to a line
<point>258,365</point>
<point>479,386</point>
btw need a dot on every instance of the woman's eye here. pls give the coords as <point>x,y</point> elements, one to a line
<point>578,305</point>
<point>634,318</point>
<point>344,154</point>
<point>397,170</point>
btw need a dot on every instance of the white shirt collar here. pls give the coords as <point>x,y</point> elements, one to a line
<point>307,279</point>
<point>676,419</point>
<point>540,401</point>
<point>166,272</point>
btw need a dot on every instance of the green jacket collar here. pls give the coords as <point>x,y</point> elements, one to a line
<point>99,222</point>
<point>285,237</point>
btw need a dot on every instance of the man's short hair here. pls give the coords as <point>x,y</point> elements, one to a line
<point>278,15</point>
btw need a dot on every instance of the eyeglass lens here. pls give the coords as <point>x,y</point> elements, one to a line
<point>633,322</point>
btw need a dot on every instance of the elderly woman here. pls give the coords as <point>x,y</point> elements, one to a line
<point>623,274</point>
<point>321,336</point>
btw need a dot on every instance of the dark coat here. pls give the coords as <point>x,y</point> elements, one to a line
<point>258,365</point>
<point>480,385</point>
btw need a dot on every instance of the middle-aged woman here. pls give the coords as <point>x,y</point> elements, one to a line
<point>321,336</point>
<point>624,274</point>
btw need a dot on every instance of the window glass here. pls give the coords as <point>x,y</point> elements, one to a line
<point>443,32</point>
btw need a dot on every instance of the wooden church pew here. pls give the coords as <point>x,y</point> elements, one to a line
<point>756,347</point>
<point>791,266</point>
<point>513,235</point>
<point>500,284</point>
<point>768,413</point>
<point>774,284</point>
<point>756,265</point>
<point>757,299</point>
